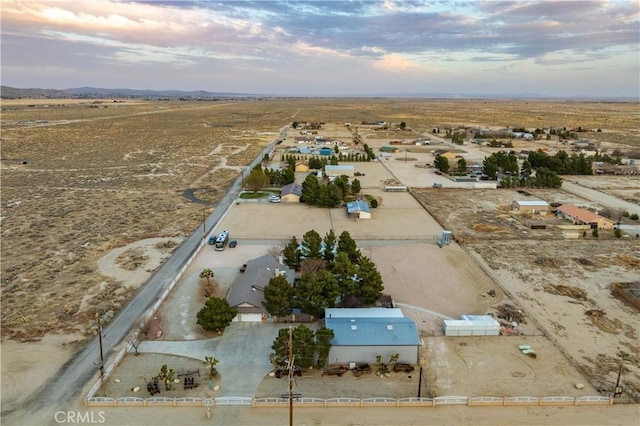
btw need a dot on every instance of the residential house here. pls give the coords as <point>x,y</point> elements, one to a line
<point>291,193</point>
<point>247,292</point>
<point>302,166</point>
<point>585,217</point>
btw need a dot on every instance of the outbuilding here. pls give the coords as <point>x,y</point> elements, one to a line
<point>301,166</point>
<point>531,206</point>
<point>333,171</point>
<point>358,209</point>
<point>361,334</point>
<point>472,325</point>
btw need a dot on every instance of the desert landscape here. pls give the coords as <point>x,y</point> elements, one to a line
<point>97,194</point>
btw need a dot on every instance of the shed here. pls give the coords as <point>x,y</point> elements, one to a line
<point>388,149</point>
<point>361,334</point>
<point>291,193</point>
<point>531,206</point>
<point>472,325</point>
<point>247,292</point>
<point>339,170</point>
<point>359,209</point>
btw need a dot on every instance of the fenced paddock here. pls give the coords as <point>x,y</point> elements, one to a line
<point>240,401</point>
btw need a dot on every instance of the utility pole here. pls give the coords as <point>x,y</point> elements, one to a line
<point>420,383</point>
<point>101,355</point>
<point>290,376</point>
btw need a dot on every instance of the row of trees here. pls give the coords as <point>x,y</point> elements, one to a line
<point>309,348</point>
<point>329,195</point>
<point>332,270</point>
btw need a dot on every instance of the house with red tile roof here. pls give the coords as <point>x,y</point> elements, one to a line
<point>585,217</point>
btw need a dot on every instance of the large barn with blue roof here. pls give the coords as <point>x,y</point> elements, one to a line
<point>361,334</point>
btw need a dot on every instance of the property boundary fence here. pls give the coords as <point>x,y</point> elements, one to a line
<point>478,401</point>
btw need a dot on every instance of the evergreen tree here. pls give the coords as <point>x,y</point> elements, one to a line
<point>441,163</point>
<point>310,191</point>
<point>329,243</point>
<point>312,242</point>
<point>291,253</point>
<point>370,281</point>
<point>347,245</point>
<point>278,296</point>
<point>216,314</point>
<point>315,292</point>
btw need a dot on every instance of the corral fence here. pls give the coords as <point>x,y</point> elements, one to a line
<point>241,401</point>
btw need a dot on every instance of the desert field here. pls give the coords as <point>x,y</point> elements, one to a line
<point>82,181</point>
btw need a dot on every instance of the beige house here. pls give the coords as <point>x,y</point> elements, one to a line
<point>302,166</point>
<point>585,217</point>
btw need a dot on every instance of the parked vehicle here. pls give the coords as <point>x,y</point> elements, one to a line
<point>275,199</point>
<point>212,240</point>
<point>233,243</point>
<point>360,368</point>
<point>222,240</point>
<point>284,371</point>
<point>403,367</point>
<point>334,370</point>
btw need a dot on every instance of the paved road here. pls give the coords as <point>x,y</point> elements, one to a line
<point>599,197</point>
<point>69,382</point>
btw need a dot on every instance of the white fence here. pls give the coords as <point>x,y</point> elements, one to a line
<point>350,402</point>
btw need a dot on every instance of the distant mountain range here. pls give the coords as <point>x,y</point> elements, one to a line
<point>7,92</point>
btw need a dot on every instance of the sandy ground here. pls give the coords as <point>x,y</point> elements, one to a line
<point>424,288</point>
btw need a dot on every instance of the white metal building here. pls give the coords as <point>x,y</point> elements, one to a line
<point>472,325</point>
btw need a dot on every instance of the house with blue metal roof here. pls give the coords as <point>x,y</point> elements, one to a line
<point>359,209</point>
<point>361,334</point>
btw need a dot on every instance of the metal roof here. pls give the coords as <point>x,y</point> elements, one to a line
<point>358,206</point>
<point>532,203</point>
<point>363,313</point>
<point>373,331</point>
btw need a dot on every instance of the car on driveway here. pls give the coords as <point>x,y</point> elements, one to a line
<point>275,199</point>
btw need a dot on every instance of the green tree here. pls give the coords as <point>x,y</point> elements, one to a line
<point>595,233</point>
<point>216,314</point>
<point>342,182</point>
<point>347,245</point>
<point>288,175</point>
<point>441,163</point>
<point>333,196</point>
<point>617,233</point>
<point>291,253</point>
<point>310,190</point>
<point>323,337</point>
<point>344,272</point>
<point>458,137</point>
<point>370,280</point>
<point>329,241</point>
<point>312,243</point>
<point>304,347</point>
<point>355,187</point>
<point>403,125</point>
<point>294,125</point>
<point>256,180</point>
<point>278,297</point>
<point>490,167</point>
<point>462,165</point>
<point>315,292</point>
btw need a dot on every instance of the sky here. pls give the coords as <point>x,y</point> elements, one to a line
<point>326,48</point>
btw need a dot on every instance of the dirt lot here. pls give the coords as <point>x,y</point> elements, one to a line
<point>92,178</point>
<point>557,282</point>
